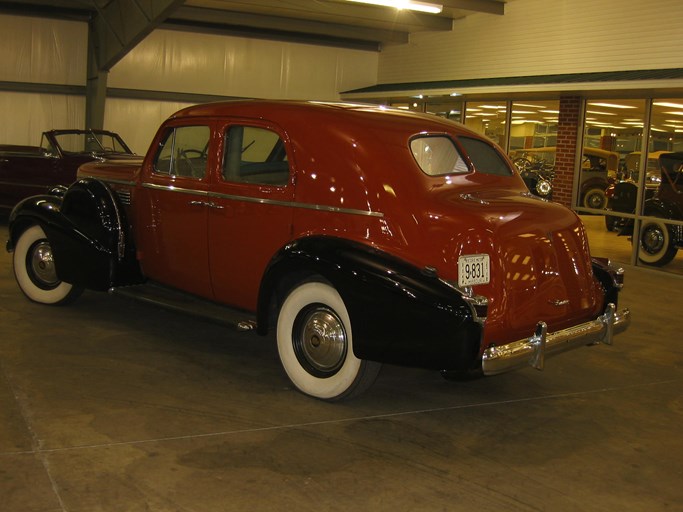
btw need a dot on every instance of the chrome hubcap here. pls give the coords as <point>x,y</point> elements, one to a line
<point>595,200</point>
<point>320,341</point>
<point>653,240</point>
<point>42,265</point>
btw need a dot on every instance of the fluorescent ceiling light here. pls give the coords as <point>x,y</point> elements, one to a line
<point>611,105</point>
<point>666,104</point>
<point>675,113</point>
<point>601,113</point>
<point>412,5</point>
<point>527,105</point>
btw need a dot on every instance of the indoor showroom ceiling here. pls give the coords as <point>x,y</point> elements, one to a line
<point>348,23</point>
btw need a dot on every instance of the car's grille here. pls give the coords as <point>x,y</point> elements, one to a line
<point>124,196</point>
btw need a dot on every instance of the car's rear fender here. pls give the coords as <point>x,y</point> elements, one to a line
<point>399,313</point>
<point>87,231</point>
<point>611,278</point>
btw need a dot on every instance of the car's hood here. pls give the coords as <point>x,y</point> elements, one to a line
<point>120,168</point>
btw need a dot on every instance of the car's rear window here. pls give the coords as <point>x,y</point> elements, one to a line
<point>437,155</point>
<point>484,157</point>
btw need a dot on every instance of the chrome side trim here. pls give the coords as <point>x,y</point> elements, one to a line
<point>117,182</point>
<point>180,190</point>
<point>532,351</point>
<point>259,200</point>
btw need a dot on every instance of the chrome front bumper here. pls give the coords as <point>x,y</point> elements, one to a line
<point>533,351</point>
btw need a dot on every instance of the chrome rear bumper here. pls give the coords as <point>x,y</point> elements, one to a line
<point>532,351</point>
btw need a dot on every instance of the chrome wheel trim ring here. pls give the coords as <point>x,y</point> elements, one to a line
<point>652,239</point>
<point>41,265</point>
<point>320,341</point>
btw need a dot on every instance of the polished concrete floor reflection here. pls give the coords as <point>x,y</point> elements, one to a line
<point>109,405</point>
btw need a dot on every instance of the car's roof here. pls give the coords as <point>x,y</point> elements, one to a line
<point>292,109</point>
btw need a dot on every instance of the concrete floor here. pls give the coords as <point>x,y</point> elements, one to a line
<point>109,405</point>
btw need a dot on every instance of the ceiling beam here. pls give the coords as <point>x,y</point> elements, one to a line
<point>483,6</point>
<point>121,24</point>
<point>335,11</point>
<point>233,21</point>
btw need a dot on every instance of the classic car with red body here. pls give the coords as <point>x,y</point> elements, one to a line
<point>358,234</point>
<point>29,170</point>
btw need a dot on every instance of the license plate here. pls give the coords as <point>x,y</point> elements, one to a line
<point>473,269</point>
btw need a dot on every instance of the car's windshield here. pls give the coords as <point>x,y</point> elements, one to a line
<point>90,142</point>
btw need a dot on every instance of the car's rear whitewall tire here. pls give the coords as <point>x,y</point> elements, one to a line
<point>35,272</point>
<point>315,344</point>
<point>656,247</point>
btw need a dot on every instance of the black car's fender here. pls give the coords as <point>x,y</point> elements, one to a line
<point>655,207</point>
<point>400,314</point>
<point>88,233</point>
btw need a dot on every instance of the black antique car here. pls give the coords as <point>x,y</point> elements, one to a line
<point>538,176</point>
<point>659,241</point>
<point>29,170</point>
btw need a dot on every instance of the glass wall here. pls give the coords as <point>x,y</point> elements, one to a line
<point>442,106</point>
<point>532,146</point>
<point>643,206</point>
<point>625,190</point>
<point>488,119</point>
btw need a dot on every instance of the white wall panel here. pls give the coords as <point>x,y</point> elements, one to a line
<point>540,37</point>
<point>235,66</point>
<point>137,121</point>
<point>43,51</point>
<point>25,115</point>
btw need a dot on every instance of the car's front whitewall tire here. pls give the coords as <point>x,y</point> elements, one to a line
<point>35,272</point>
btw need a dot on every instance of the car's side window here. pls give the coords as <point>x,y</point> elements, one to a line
<point>255,155</point>
<point>183,152</point>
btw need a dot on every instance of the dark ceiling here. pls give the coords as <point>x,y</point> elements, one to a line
<point>327,22</point>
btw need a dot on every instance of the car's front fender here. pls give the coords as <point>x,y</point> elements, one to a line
<point>86,229</point>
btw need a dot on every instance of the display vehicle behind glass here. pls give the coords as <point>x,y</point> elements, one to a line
<point>358,235</point>
<point>659,241</point>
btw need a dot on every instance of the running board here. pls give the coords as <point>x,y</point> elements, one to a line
<point>187,304</point>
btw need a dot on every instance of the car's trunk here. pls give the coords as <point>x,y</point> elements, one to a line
<point>540,264</point>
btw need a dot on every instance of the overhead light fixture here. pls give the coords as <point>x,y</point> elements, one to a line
<point>412,5</point>
<point>667,104</point>
<point>611,105</point>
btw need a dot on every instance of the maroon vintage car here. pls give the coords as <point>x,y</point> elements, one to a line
<point>29,170</point>
<point>358,234</point>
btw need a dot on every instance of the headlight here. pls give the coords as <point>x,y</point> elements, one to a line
<point>543,188</point>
